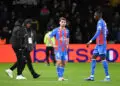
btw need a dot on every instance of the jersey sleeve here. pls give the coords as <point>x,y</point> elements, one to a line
<point>99,27</point>
<point>53,33</point>
<point>68,34</point>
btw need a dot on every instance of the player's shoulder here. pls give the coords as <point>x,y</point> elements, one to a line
<point>67,29</point>
<point>55,29</point>
<point>100,21</point>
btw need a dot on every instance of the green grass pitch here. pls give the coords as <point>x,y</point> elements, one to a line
<point>74,72</point>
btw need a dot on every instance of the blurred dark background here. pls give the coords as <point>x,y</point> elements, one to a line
<point>45,13</point>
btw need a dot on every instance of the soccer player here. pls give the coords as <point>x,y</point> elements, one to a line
<point>100,49</point>
<point>61,34</point>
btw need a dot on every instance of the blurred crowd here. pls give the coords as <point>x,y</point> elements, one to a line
<point>45,14</point>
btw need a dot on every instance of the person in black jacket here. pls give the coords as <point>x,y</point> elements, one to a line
<point>15,41</point>
<point>29,40</point>
<point>23,41</point>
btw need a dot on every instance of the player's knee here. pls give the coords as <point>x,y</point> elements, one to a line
<point>58,62</point>
<point>94,56</point>
<point>63,64</point>
<point>103,56</point>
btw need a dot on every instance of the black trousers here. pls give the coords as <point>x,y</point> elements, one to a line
<point>23,57</point>
<point>48,50</point>
<point>20,61</point>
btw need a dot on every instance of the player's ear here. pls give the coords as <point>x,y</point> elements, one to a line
<point>59,22</point>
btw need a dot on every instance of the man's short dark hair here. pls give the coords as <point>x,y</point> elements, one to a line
<point>62,18</point>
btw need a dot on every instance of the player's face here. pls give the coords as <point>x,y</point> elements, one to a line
<point>63,23</point>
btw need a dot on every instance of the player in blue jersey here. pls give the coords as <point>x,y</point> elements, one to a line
<point>100,49</point>
<point>61,34</point>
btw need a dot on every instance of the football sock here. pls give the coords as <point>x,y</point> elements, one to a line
<point>58,71</point>
<point>105,65</point>
<point>62,71</point>
<point>93,65</point>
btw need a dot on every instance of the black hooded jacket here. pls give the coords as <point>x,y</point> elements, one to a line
<point>15,38</point>
<point>22,35</point>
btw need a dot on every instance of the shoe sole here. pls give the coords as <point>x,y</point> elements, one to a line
<point>20,79</point>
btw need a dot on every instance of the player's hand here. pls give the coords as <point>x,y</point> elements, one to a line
<point>88,43</point>
<point>67,46</point>
<point>54,46</point>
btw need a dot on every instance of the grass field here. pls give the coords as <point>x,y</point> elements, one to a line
<point>74,72</point>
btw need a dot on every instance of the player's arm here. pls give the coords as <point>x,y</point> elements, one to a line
<point>53,41</point>
<point>67,43</point>
<point>95,36</point>
<point>52,34</point>
<point>67,40</point>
